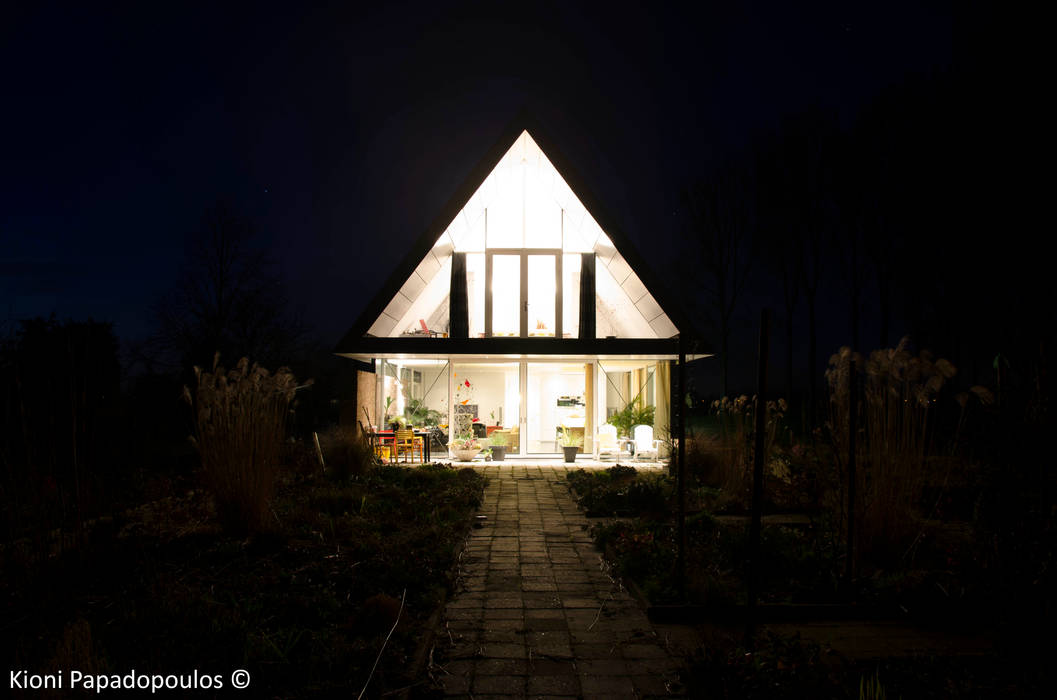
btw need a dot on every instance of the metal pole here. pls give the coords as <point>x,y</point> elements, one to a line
<point>757,479</point>
<point>681,474</point>
<point>853,417</point>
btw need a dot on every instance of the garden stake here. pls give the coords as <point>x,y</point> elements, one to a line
<point>378,658</point>
<point>319,451</point>
<point>757,482</point>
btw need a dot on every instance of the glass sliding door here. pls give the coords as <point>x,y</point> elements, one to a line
<point>556,402</point>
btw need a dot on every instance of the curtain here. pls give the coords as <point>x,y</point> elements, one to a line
<point>662,417</point>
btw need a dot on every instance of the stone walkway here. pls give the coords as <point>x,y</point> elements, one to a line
<point>536,614</point>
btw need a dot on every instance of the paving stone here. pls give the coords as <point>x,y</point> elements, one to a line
<point>653,685</point>
<point>455,685</point>
<point>502,667</point>
<point>552,667</point>
<point>505,686</point>
<point>500,650</point>
<point>547,624</point>
<point>553,685</point>
<point>644,651</point>
<point>596,651</point>
<point>607,686</point>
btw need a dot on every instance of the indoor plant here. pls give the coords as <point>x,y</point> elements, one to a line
<point>571,443</point>
<point>499,442</point>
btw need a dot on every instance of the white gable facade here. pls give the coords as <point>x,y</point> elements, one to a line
<point>519,321</point>
<point>525,205</point>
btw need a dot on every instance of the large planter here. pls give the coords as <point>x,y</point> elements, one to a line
<point>570,453</point>
<point>499,452</point>
<point>464,455</point>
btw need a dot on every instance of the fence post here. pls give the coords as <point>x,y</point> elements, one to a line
<point>681,474</point>
<point>757,481</point>
<point>853,418</point>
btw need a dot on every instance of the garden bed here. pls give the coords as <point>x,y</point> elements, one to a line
<point>304,606</point>
<point>802,558</point>
<point>900,612</point>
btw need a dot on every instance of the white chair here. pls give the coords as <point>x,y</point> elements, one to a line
<point>645,445</point>
<point>607,442</point>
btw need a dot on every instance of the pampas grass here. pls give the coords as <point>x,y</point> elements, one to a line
<point>240,419</point>
<point>727,462</point>
<point>894,440</point>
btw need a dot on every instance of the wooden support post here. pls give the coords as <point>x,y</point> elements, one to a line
<point>681,473</point>
<point>757,481</point>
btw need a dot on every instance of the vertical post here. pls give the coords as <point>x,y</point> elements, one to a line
<point>681,474</point>
<point>458,309</point>
<point>757,479</point>
<point>853,417</point>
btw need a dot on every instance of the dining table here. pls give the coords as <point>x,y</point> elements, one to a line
<point>388,438</point>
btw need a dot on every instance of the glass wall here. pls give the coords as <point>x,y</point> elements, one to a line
<point>415,389</point>
<point>631,394</point>
<point>486,401</point>
<point>557,397</point>
<point>542,288</point>
<point>506,295</point>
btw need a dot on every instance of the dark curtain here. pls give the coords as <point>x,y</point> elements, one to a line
<point>587,295</point>
<point>458,310</point>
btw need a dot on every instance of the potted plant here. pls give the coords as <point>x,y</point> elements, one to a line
<point>635,413</point>
<point>418,414</point>
<point>385,414</point>
<point>499,442</point>
<point>465,448</point>
<point>571,443</point>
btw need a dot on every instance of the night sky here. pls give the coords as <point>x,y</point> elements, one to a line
<point>341,132</point>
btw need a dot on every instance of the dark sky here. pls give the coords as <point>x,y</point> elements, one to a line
<point>341,131</point>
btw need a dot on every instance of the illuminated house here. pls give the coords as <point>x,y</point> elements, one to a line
<point>522,310</point>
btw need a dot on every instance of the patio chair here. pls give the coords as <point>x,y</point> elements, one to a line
<point>405,443</point>
<point>645,445</point>
<point>608,447</point>
<point>377,443</point>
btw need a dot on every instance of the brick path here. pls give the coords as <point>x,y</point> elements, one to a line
<point>525,622</point>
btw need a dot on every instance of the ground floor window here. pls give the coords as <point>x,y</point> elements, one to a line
<point>532,407</point>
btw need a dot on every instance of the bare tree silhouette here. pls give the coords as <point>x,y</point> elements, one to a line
<point>228,299</point>
<point>720,221</point>
<point>778,242</point>
<point>807,149</point>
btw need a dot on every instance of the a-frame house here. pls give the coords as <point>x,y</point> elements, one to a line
<point>522,312</point>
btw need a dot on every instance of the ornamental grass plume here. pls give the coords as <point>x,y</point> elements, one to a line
<point>240,419</point>
<point>894,438</point>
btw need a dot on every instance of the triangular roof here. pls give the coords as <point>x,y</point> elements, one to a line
<point>635,305</point>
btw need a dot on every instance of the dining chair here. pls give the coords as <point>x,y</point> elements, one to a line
<point>406,443</point>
